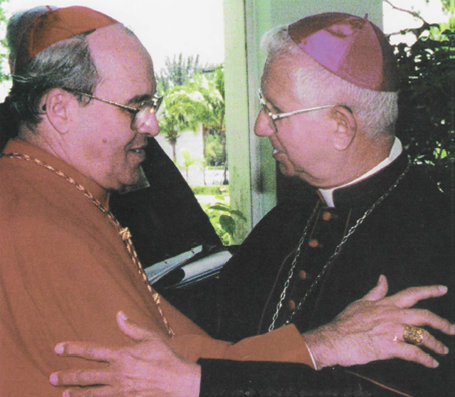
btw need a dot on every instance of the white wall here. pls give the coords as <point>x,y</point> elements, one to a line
<point>188,140</point>
<point>193,142</point>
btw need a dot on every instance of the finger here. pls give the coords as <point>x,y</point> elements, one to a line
<point>422,317</point>
<point>378,292</point>
<point>410,296</point>
<point>431,343</point>
<point>413,353</point>
<point>81,377</point>
<point>132,330</point>
<point>88,351</point>
<point>428,340</point>
<point>99,391</point>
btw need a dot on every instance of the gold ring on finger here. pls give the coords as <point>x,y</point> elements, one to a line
<point>413,335</point>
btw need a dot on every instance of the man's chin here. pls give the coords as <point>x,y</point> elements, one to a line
<point>287,169</point>
<point>136,181</point>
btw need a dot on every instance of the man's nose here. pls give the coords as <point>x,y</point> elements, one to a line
<point>150,126</point>
<point>264,125</point>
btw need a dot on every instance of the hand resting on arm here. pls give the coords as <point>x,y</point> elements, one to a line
<point>372,328</point>
<point>367,330</point>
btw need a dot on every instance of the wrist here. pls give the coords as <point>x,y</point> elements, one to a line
<point>191,384</point>
<point>320,348</point>
<point>313,360</point>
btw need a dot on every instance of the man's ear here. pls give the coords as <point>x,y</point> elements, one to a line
<point>57,105</point>
<point>346,127</point>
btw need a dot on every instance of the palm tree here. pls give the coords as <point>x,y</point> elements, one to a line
<point>187,161</point>
<point>198,102</point>
<point>210,105</point>
<point>179,114</point>
<point>178,71</point>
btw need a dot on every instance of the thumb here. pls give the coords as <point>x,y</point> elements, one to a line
<point>131,329</point>
<point>378,292</point>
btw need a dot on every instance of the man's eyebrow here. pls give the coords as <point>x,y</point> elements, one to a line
<point>140,98</point>
<point>273,106</point>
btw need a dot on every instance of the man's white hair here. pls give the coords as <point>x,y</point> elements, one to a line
<point>375,111</point>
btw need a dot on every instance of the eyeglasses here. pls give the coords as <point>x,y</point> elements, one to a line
<point>278,116</point>
<point>140,113</point>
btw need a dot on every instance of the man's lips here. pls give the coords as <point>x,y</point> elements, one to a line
<point>139,150</point>
<point>278,154</point>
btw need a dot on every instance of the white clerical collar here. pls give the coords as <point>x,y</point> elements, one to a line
<point>396,150</point>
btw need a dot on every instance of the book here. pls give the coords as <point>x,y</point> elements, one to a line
<point>189,267</point>
<point>160,269</point>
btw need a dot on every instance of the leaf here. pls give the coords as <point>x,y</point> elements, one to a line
<point>220,207</point>
<point>228,224</point>
<point>238,213</point>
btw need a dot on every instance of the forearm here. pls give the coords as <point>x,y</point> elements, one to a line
<point>282,345</point>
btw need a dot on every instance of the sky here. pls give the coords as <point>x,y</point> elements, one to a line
<point>168,27</point>
<point>196,27</point>
<point>431,12</point>
<point>165,27</point>
<point>396,20</point>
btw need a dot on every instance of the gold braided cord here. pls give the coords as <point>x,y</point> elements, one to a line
<point>124,233</point>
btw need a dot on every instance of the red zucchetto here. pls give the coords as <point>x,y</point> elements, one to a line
<point>57,25</point>
<point>351,47</point>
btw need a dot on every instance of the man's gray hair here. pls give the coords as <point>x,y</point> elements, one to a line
<point>376,111</point>
<point>67,64</point>
<point>18,24</point>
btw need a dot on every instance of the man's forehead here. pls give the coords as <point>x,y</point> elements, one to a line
<point>115,42</point>
<point>282,70</point>
<point>121,60</point>
<point>111,37</point>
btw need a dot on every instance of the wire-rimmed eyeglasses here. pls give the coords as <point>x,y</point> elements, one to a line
<point>278,116</point>
<point>140,114</point>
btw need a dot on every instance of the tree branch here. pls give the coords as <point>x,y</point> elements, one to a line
<point>413,13</point>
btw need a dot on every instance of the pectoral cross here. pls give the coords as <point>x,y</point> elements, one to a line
<point>125,234</point>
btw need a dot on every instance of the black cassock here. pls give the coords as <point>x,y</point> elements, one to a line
<point>404,236</point>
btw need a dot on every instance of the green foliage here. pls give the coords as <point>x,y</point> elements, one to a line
<point>193,99</point>
<point>448,5</point>
<point>179,114</point>
<point>178,71</point>
<point>427,97</point>
<point>207,100</point>
<point>215,152</point>
<point>210,190</point>
<point>4,52</point>
<point>215,140</point>
<point>223,218</point>
<point>187,161</point>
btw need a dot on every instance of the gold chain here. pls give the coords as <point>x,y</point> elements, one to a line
<point>332,257</point>
<point>124,233</point>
